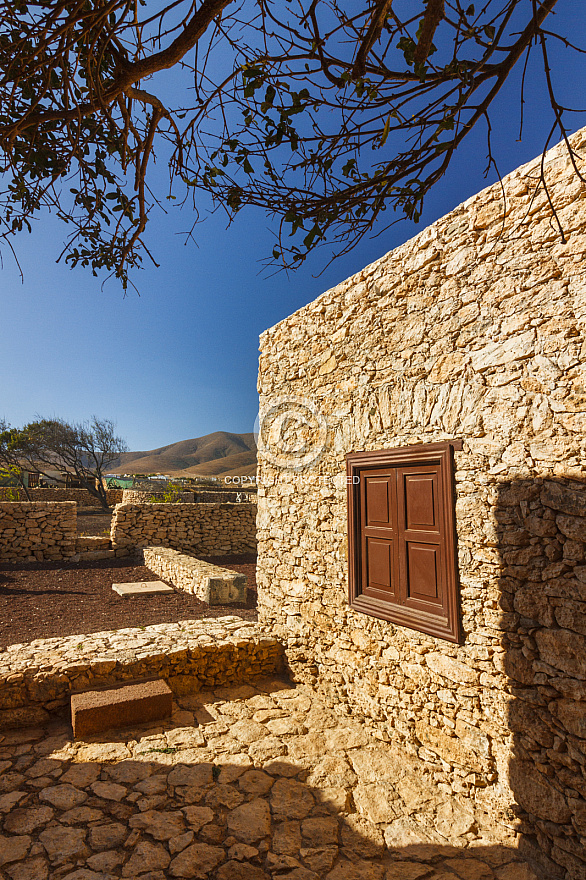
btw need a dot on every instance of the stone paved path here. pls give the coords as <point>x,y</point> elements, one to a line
<point>243,783</point>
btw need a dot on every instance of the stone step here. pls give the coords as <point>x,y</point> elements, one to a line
<point>92,542</point>
<point>96,711</point>
<point>95,554</point>
<point>38,678</point>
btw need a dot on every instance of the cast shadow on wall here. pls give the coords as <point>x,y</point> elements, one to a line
<point>541,527</point>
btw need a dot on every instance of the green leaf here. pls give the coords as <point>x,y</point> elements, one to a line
<point>311,235</point>
<point>385,133</point>
<point>407,47</point>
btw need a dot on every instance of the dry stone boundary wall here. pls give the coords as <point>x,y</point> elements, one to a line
<point>204,529</point>
<point>198,496</point>
<point>210,583</point>
<point>228,494</point>
<point>142,496</point>
<point>37,530</point>
<point>37,679</point>
<point>80,496</point>
<point>476,332</point>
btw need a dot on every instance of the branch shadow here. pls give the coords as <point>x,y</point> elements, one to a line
<point>16,591</point>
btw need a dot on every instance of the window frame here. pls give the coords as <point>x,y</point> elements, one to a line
<point>441,455</point>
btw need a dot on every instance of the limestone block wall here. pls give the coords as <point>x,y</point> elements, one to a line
<point>228,495</point>
<point>80,496</point>
<point>37,530</point>
<point>37,679</point>
<point>210,583</point>
<point>138,496</point>
<point>478,332</point>
<point>204,529</point>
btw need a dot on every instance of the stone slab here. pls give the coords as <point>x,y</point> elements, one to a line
<point>142,588</point>
<point>97,711</point>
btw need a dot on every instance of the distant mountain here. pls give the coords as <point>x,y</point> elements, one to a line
<point>215,455</point>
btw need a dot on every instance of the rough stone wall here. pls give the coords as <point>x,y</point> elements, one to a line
<point>37,679</point>
<point>140,496</point>
<point>210,583</point>
<point>80,496</point>
<point>37,530</point>
<point>226,495</point>
<point>472,331</point>
<point>204,529</point>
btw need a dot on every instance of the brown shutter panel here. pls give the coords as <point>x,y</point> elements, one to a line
<point>401,537</point>
<point>421,538</point>
<point>379,536</point>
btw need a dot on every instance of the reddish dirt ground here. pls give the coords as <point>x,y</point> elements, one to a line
<point>44,600</point>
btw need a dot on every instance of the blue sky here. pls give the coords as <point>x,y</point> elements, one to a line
<point>180,361</point>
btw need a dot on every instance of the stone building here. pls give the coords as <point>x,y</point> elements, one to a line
<point>465,640</point>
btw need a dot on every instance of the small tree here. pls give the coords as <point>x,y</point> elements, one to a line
<point>86,448</point>
<point>10,455</point>
<point>170,495</point>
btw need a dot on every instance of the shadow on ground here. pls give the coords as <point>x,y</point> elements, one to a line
<point>56,599</point>
<point>256,782</point>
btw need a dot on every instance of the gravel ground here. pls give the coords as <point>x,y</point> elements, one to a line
<point>42,600</point>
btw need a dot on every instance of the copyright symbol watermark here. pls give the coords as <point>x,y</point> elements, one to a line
<point>291,432</point>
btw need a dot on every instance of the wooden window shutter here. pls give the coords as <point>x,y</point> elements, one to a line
<point>402,539</point>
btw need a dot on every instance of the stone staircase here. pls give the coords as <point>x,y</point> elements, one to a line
<point>94,547</point>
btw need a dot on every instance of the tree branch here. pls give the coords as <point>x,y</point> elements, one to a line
<point>379,16</point>
<point>433,15</point>
<point>129,73</point>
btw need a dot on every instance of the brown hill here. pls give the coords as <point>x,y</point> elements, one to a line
<point>239,463</point>
<point>216,454</point>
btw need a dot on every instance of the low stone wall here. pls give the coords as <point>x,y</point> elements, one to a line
<point>81,497</point>
<point>143,496</point>
<point>201,529</point>
<point>227,496</point>
<point>37,679</point>
<point>210,583</point>
<point>91,547</point>
<point>197,496</point>
<point>37,530</point>
<point>85,543</point>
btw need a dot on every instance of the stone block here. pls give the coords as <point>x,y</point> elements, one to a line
<point>210,583</point>
<point>564,499</point>
<point>563,649</point>
<point>96,711</point>
<point>536,794</point>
